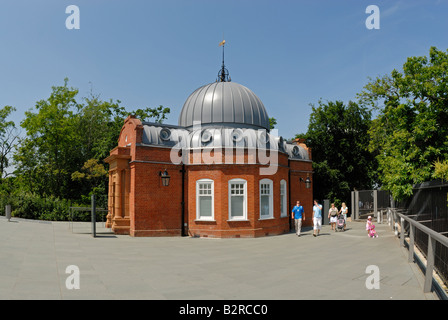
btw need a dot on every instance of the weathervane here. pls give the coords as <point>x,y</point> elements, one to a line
<point>223,74</point>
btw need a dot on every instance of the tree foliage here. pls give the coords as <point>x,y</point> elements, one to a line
<point>337,136</point>
<point>441,170</point>
<point>51,146</point>
<point>411,131</point>
<point>8,137</point>
<point>272,123</point>
<point>67,139</point>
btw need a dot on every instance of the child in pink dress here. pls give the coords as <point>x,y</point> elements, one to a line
<point>370,227</point>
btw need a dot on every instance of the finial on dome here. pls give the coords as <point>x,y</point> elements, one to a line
<point>223,74</point>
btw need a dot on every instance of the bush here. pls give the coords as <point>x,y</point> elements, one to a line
<point>31,206</point>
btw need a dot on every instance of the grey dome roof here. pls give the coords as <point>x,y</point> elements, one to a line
<point>227,104</point>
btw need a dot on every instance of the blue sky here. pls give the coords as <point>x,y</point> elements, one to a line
<point>148,53</point>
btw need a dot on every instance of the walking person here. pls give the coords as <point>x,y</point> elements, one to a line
<point>298,214</point>
<point>333,216</point>
<point>344,211</point>
<point>317,218</point>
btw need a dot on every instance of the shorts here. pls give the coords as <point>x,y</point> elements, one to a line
<point>333,219</point>
<point>317,223</point>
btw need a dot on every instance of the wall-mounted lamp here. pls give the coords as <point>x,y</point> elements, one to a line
<point>165,178</point>
<point>307,182</point>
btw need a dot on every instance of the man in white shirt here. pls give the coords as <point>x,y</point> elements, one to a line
<point>317,218</point>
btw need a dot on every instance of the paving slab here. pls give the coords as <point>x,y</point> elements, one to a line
<point>34,256</point>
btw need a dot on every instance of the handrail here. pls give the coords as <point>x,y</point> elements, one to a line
<point>71,214</point>
<point>437,236</point>
<point>433,236</point>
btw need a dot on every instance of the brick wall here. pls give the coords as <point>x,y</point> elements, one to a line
<point>156,210</point>
<point>301,169</point>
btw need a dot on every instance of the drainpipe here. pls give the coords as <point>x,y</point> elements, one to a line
<point>183,202</point>
<point>289,195</point>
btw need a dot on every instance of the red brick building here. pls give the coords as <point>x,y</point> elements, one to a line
<point>227,174</point>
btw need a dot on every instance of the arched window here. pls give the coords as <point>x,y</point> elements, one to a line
<point>204,200</point>
<point>283,197</point>
<point>266,199</point>
<point>237,199</point>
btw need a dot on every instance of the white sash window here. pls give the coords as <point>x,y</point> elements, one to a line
<point>204,200</point>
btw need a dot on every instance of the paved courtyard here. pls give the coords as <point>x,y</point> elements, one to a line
<point>34,257</point>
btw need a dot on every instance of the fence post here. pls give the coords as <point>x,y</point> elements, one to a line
<point>375,205</point>
<point>392,220</point>
<point>325,209</point>
<point>352,215</point>
<point>396,223</point>
<point>411,242</point>
<point>429,264</point>
<point>93,216</point>
<point>8,212</point>
<point>388,216</point>
<point>391,211</point>
<point>356,205</point>
<point>402,232</point>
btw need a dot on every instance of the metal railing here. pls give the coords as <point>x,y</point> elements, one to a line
<point>369,202</point>
<point>93,217</point>
<point>397,220</point>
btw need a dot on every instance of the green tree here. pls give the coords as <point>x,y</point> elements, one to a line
<point>337,136</point>
<point>51,147</point>
<point>8,137</point>
<point>272,123</point>
<point>101,123</point>
<point>411,131</point>
<point>441,170</point>
<point>93,175</point>
<point>65,137</point>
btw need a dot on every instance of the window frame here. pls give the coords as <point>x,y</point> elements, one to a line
<point>271,198</point>
<point>283,201</point>
<point>198,195</point>
<point>230,183</point>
